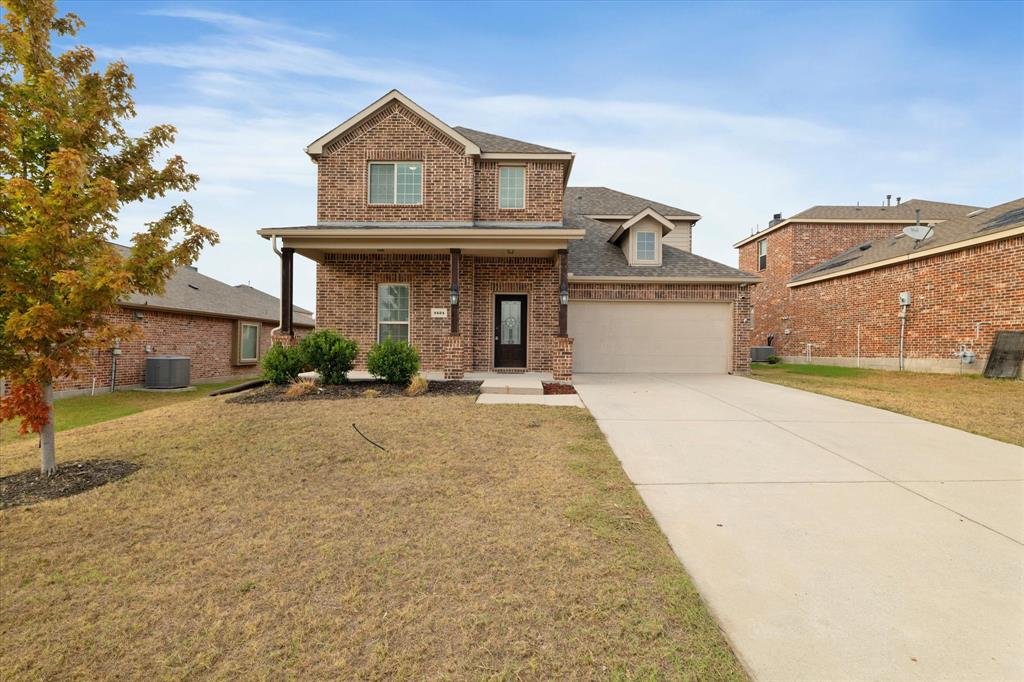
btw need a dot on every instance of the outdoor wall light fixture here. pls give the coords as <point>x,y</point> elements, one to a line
<point>563,296</point>
<point>455,296</point>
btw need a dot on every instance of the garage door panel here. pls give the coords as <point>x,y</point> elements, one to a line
<point>651,336</point>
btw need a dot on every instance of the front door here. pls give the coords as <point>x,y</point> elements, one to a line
<point>510,330</point>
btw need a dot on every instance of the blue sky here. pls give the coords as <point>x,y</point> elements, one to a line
<point>733,110</point>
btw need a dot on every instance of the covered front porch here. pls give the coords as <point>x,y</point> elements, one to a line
<point>472,301</point>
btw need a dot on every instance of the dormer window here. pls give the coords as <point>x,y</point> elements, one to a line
<point>511,187</point>
<point>646,246</point>
<point>396,183</point>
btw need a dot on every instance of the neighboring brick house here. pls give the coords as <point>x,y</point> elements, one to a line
<point>964,282</point>
<point>223,329</point>
<point>470,246</point>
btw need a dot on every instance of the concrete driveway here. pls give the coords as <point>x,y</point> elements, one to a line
<point>833,541</point>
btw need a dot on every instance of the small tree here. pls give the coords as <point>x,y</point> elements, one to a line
<point>67,166</point>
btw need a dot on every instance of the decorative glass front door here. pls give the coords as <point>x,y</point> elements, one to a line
<point>510,330</point>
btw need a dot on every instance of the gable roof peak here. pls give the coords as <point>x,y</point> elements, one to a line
<point>316,147</point>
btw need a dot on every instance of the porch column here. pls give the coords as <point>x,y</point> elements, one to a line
<point>563,292</point>
<point>285,328</point>
<point>453,351</point>
<point>456,256</point>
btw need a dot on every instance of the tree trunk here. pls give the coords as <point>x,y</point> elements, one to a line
<point>47,444</point>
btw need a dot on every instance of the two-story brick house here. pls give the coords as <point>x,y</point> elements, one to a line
<point>471,246</point>
<point>833,278</point>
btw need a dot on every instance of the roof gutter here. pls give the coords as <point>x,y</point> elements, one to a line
<point>583,279</point>
<point>334,233</point>
<point>915,255</point>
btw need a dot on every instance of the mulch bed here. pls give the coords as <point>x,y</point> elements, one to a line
<point>357,389</point>
<point>558,389</point>
<point>71,478</point>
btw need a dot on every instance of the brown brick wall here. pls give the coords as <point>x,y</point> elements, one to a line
<point>545,185</point>
<point>206,340</point>
<point>950,293</point>
<point>347,302</point>
<point>793,249</point>
<point>454,189</point>
<point>738,295</point>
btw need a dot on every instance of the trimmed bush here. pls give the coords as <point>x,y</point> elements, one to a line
<point>282,364</point>
<point>773,360</point>
<point>395,362</point>
<point>330,354</point>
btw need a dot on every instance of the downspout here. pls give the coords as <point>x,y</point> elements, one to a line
<point>903,328</point>
<point>280,318</point>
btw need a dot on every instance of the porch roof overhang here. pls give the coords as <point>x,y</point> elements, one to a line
<point>314,241</point>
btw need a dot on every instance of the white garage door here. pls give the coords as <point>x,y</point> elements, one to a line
<point>651,337</point>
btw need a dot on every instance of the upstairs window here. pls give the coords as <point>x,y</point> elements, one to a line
<point>762,254</point>
<point>511,187</point>
<point>646,247</point>
<point>396,183</point>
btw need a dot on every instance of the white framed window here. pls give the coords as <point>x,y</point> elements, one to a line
<point>395,182</point>
<point>393,312</point>
<point>762,254</point>
<point>646,246</point>
<point>247,344</point>
<point>511,187</point>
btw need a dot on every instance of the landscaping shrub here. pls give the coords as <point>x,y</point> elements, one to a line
<point>301,387</point>
<point>773,360</point>
<point>417,386</point>
<point>396,362</point>
<point>282,364</point>
<point>330,354</point>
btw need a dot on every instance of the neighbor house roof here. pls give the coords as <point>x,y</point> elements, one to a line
<point>981,225</point>
<point>491,143</point>
<point>188,291</point>
<point>601,201</point>
<point>593,257</point>
<point>906,212</point>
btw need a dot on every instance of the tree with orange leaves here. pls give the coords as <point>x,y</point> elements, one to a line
<point>67,166</point>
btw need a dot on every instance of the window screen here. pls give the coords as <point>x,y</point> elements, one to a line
<point>511,187</point>
<point>393,312</point>
<point>645,242</point>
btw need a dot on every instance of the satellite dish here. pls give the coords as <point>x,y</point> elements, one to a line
<point>918,232</point>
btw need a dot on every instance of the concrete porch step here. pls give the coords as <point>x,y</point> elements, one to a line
<point>516,384</point>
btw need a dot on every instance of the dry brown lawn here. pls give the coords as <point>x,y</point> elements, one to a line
<point>271,541</point>
<point>987,407</point>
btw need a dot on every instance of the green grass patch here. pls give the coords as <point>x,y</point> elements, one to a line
<point>83,410</point>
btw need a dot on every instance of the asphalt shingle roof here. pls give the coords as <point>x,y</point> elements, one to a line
<point>930,210</point>
<point>988,221</point>
<point>489,142</point>
<point>605,201</point>
<point>189,291</point>
<point>594,256</point>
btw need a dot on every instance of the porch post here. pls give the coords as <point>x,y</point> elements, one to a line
<point>563,292</point>
<point>561,356</point>
<point>285,329</point>
<point>453,351</point>
<point>456,256</point>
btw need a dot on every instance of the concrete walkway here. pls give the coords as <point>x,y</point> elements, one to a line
<point>833,541</point>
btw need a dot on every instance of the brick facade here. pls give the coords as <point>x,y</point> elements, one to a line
<point>737,294</point>
<point>346,301</point>
<point>793,249</point>
<point>951,293</point>
<point>207,341</point>
<point>455,186</point>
